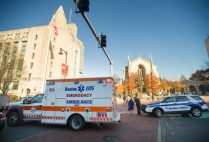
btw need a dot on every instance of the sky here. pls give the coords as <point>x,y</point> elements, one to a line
<point>172,31</point>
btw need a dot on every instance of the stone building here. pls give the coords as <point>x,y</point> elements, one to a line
<point>38,50</point>
<point>207,45</point>
<point>142,67</point>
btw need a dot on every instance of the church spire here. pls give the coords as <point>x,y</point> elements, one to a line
<point>128,60</point>
<point>151,62</point>
<point>139,55</point>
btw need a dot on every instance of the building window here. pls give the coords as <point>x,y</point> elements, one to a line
<point>34,46</point>
<point>31,65</point>
<point>15,85</point>
<point>36,37</point>
<point>51,65</point>
<point>50,74</point>
<point>29,76</point>
<point>33,55</point>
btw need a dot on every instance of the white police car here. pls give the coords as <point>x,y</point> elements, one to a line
<point>177,104</point>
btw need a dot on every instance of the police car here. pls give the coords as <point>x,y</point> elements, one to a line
<point>177,104</point>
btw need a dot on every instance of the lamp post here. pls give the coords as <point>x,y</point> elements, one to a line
<point>61,53</point>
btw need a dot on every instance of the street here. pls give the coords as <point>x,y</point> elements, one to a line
<point>144,128</point>
<point>184,129</point>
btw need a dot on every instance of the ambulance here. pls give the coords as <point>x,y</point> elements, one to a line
<point>71,102</point>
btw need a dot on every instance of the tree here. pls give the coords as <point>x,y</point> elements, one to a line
<point>153,84</point>
<point>165,86</point>
<point>119,88</point>
<point>116,78</point>
<point>130,83</point>
<point>183,78</point>
<point>200,75</point>
<point>8,66</point>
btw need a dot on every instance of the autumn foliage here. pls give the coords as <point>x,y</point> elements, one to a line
<point>152,84</point>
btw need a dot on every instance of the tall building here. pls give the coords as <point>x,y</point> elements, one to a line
<point>207,45</point>
<point>38,51</point>
<point>142,67</point>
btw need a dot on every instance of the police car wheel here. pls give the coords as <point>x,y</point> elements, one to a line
<point>196,112</point>
<point>158,113</point>
<point>13,119</point>
<point>76,123</point>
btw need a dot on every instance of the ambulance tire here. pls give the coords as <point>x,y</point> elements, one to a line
<point>76,123</point>
<point>13,119</point>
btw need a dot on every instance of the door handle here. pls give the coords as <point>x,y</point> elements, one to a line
<point>62,110</point>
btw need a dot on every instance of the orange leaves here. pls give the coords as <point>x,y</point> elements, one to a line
<point>153,83</point>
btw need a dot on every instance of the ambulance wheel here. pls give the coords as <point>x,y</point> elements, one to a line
<point>76,123</point>
<point>13,119</point>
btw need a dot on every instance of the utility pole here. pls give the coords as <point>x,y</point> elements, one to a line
<point>83,6</point>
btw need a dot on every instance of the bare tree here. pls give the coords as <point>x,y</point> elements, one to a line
<point>8,66</point>
<point>116,78</point>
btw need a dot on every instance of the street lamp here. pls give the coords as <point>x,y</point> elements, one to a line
<point>61,53</point>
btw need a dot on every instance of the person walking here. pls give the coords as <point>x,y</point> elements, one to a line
<point>138,105</point>
<point>131,106</point>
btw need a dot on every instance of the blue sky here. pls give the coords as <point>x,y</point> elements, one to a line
<point>173,31</point>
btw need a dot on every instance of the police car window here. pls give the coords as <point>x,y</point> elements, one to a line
<point>37,99</point>
<point>170,99</point>
<point>196,98</point>
<point>182,99</point>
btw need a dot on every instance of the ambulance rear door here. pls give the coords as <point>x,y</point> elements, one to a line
<point>102,102</point>
<point>60,105</point>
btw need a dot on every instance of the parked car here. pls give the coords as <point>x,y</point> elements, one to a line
<point>2,121</point>
<point>177,104</point>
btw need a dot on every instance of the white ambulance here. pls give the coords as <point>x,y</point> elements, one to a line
<point>71,102</point>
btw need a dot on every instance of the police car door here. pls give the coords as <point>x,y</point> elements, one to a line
<point>183,103</point>
<point>33,109</point>
<point>170,104</point>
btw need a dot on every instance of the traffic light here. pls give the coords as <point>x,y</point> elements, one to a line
<point>103,40</point>
<point>83,5</point>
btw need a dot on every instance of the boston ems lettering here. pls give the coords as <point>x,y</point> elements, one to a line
<point>80,88</point>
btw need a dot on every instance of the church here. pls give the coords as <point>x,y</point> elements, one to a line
<point>141,66</point>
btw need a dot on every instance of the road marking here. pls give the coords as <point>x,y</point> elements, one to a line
<point>159,132</point>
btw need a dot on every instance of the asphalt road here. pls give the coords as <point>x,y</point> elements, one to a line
<point>145,128</point>
<point>26,130</point>
<point>132,128</point>
<point>174,128</point>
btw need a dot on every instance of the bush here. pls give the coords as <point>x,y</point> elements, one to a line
<point>15,97</point>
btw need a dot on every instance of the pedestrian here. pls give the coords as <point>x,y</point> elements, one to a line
<point>131,106</point>
<point>138,105</point>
